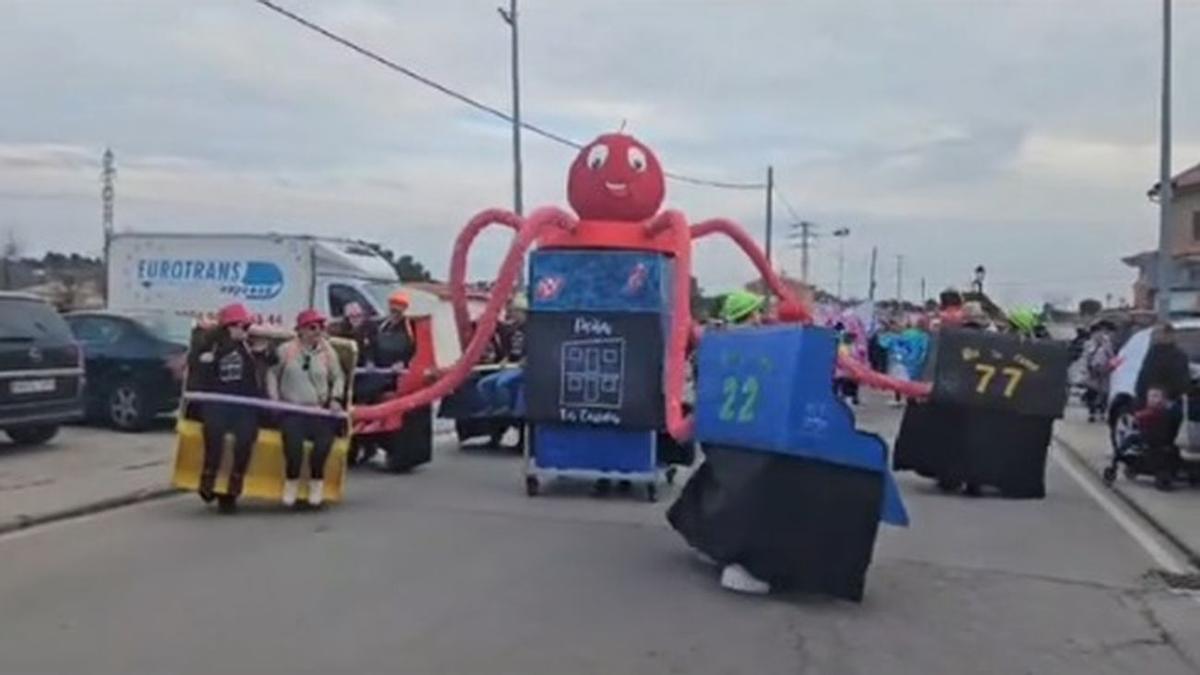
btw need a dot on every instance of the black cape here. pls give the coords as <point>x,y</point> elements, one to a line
<point>956,444</point>
<point>800,524</point>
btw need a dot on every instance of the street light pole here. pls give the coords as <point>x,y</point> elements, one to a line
<point>841,233</point>
<point>510,17</point>
<point>1165,193</point>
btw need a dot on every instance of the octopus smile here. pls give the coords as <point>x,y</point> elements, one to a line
<point>619,189</point>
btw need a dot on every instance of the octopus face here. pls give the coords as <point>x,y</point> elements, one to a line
<point>615,177</point>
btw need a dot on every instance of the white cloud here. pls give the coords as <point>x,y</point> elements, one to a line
<point>947,131</point>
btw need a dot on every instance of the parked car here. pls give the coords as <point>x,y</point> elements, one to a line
<point>41,370</point>
<point>135,365</point>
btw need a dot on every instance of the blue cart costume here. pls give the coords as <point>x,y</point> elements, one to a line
<point>789,489</point>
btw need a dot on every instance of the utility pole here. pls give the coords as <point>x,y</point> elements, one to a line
<point>510,17</point>
<point>108,194</point>
<point>923,296</point>
<point>803,242</point>
<point>899,280</point>
<point>770,210</point>
<point>1165,191</point>
<point>871,285</point>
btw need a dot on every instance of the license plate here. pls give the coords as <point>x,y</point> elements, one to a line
<point>32,386</point>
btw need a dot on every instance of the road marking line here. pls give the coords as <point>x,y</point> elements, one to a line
<point>1140,533</point>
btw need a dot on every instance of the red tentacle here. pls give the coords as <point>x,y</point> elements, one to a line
<point>458,263</point>
<point>365,416</point>
<point>747,244</point>
<point>678,424</point>
<point>860,372</point>
<point>798,311</point>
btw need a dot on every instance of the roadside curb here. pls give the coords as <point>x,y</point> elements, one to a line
<point>23,521</point>
<point>1192,555</point>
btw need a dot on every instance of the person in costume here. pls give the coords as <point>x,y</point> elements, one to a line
<point>396,343</point>
<point>742,307</point>
<point>1027,323</point>
<point>739,309</point>
<point>368,387</point>
<point>906,348</point>
<point>308,373</point>
<point>229,366</point>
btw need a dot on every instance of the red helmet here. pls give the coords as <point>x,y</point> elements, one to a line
<point>233,315</point>
<point>309,317</point>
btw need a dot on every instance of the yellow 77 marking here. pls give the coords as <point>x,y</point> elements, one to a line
<point>1014,378</point>
<point>987,372</point>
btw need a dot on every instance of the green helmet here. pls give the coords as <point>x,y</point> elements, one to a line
<point>739,305</point>
<point>1024,320</point>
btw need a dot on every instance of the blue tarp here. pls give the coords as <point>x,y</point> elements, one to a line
<point>615,281</point>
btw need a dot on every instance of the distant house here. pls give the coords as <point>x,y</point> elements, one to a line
<point>1184,245</point>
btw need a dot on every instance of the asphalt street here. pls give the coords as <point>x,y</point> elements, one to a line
<point>454,570</point>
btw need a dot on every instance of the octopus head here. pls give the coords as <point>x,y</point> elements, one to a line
<point>615,177</point>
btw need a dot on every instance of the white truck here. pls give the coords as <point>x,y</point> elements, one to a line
<point>275,275</point>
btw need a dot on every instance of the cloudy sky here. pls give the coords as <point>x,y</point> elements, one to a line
<point>1020,134</point>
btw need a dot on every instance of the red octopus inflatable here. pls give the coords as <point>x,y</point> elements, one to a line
<point>616,187</point>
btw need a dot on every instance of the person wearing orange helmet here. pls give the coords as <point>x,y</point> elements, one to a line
<point>396,342</point>
<point>232,367</point>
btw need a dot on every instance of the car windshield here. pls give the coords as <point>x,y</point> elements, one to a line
<point>177,329</point>
<point>22,319</point>
<point>380,291</point>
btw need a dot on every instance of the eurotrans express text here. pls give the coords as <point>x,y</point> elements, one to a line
<point>250,280</point>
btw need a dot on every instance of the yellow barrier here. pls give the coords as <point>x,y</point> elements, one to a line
<point>265,474</point>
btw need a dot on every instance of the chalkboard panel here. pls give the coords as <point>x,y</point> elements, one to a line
<point>1000,371</point>
<point>597,368</point>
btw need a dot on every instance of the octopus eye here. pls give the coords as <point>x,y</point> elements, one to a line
<point>597,156</point>
<point>637,160</point>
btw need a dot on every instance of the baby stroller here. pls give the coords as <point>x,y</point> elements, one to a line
<point>1147,448</point>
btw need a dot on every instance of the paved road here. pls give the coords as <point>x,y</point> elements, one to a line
<point>81,466</point>
<point>453,570</point>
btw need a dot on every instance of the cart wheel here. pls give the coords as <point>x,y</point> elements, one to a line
<point>1193,478</point>
<point>651,492</point>
<point>670,476</point>
<point>1109,475</point>
<point>1163,481</point>
<point>1130,472</point>
<point>531,486</point>
<point>949,486</point>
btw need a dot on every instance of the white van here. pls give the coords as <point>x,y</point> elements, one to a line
<point>275,275</point>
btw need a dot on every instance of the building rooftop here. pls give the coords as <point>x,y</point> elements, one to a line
<point>1185,182</point>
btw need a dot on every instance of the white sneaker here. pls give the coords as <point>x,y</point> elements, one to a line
<point>316,492</point>
<point>737,578</point>
<point>291,488</point>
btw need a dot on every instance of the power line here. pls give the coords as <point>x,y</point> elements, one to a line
<point>472,102</point>
<point>787,205</point>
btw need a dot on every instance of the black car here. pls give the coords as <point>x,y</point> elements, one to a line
<point>41,370</point>
<point>135,365</point>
